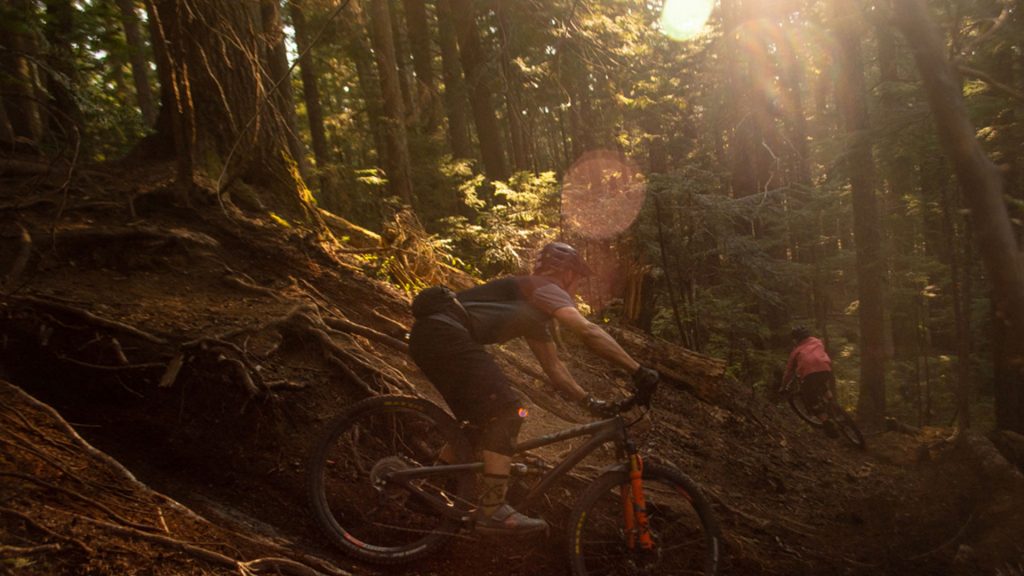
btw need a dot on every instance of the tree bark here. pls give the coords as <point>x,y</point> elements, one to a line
<point>670,285</point>
<point>280,78</point>
<point>480,98</point>
<point>418,28</point>
<point>406,81</point>
<point>310,89</point>
<point>454,85</point>
<point>511,80</point>
<point>65,119</point>
<point>354,28</point>
<point>982,186</point>
<point>224,121</point>
<point>398,164</point>
<point>18,79</point>
<point>960,319</point>
<point>870,263</point>
<point>139,62</point>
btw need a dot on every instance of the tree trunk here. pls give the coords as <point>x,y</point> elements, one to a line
<point>511,80</point>
<point>65,116</point>
<point>310,90</point>
<point>399,171</point>
<point>480,100</point>
<point>405,75</point>
<point>224,121</point>
<point>280,80</point>
<point>358,46</point>
<point>960,320</point>
<point>139,62</point>
<point>18,79</point>
<point>670,286</point>
<point>982,186</point>
<point>454,86</point>
<point>870,264</point>
<point>422,62</point>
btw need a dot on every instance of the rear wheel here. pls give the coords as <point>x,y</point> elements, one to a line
<point>796,401</point>
<point>685,532</point>
<point>354,503</point>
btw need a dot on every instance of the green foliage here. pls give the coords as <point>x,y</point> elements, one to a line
<point>510,220</point>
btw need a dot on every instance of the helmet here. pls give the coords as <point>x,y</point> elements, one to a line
<point>559,256</point>
<point>799,333</point>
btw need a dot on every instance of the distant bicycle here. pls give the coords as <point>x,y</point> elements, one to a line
<point>844,424</point>
<point>393,480</point>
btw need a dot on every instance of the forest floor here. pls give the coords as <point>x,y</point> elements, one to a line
<point>164,372</point>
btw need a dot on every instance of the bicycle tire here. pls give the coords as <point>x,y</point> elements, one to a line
<point>797,404</point>
<point>847,427</point>
<point>680,517</point>
<point>362,514</point>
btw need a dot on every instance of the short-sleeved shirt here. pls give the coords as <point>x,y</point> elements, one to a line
<point>514,306</point>
<point>808,357</point>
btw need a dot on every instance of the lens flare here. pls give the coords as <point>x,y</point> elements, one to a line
<point>685,19</point>
<point>602,194</point>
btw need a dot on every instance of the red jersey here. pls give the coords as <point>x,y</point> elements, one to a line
<point>807,357</point>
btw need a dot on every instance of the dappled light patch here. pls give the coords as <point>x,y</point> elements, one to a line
<point>602,193</point>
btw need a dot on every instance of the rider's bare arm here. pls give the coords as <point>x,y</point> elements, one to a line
<point>559,375</point>
<point>595,338</point>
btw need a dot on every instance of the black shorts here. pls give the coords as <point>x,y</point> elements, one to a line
<point>462,370</point>
<point>813,388</point>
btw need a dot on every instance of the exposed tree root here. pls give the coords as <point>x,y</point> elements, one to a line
<point>31,522</point>
<point>113,521</point>
<point>77,236</point>
<point>87,316</point>
<point>278,565</point>
<point>81,497</point>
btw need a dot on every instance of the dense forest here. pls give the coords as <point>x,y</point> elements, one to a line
<point>729,169</point>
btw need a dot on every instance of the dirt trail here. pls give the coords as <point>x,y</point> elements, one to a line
<point>205,355</point>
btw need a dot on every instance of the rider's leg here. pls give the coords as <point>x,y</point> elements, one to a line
<point>814,390</point>
<point>494,484</point>
<point>498,442</point>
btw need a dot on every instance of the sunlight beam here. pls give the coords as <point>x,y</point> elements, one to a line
<point>685,19</point>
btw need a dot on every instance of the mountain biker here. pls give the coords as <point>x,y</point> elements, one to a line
<point>447,340</point>
<point>812,365</point>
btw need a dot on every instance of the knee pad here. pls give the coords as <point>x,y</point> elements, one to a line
<point>500,433</point>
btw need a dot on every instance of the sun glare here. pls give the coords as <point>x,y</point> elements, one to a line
<point>685,19</point>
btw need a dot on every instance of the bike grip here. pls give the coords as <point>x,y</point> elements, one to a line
<point>646,381</point>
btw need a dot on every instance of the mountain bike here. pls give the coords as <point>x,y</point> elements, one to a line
<point>845,425</point>
<point>393,480</point>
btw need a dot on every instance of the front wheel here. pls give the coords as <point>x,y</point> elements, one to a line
<point>686,535</point>
<point>847,427</point>
<point>354,501</point>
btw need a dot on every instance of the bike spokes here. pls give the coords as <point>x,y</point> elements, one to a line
<point>365,484</point>
<point>607,543</point>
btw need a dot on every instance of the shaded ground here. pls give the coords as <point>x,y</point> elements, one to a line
<point>206,353</point>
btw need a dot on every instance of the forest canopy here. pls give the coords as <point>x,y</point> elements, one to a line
<point>730,169</point>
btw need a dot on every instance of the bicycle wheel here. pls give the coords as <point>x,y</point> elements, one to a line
<point>357,508</point>
<point>797,403</point>
<point>847,427</point>
<point>686,535</point>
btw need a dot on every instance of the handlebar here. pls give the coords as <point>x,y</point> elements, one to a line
<point>642,395</point>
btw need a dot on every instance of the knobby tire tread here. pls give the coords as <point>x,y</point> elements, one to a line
<point>653,472</point>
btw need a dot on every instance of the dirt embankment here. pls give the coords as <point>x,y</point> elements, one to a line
<point>205,353</point>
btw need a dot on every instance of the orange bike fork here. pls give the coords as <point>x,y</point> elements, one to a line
<point>634,507</point>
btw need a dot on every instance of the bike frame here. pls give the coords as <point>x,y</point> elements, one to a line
<point>600,433</point>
